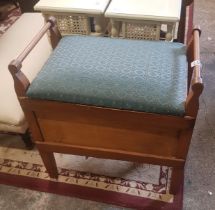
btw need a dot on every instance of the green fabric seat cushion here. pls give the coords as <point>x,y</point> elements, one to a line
<point>148,76</point>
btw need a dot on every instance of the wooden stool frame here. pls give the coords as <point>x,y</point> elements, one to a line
<point>110,133</point>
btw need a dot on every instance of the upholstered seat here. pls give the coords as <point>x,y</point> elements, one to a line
<point>149,76</point>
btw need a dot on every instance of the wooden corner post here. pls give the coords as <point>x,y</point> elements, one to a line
<point>21,84</point>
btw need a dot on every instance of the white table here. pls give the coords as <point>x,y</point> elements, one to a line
<point>73,16</point>
<point>148,13</point>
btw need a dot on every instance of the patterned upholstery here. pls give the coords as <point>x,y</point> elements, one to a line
<point>149,76</point>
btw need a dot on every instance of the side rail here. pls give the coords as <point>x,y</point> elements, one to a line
<point>21,82</point>
<point>195,84</point>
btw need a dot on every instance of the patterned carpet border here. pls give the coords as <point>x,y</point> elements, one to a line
<point>86,179</point>
<point>113,190</point>
<point>23,168</point>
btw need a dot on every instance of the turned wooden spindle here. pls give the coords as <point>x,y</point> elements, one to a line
<point>194,76</point>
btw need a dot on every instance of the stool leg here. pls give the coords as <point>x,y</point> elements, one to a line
<point>177,179</point>
<point>49,162</point>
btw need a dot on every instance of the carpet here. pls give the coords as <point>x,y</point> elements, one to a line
<point>139,186</point>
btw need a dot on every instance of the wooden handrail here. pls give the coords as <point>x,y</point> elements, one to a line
<point>195,83</point>
<point>21,82</point>
<point>33,43</point>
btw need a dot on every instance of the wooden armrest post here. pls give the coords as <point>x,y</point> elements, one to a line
<point>21,82</point>
<point>195,81</point>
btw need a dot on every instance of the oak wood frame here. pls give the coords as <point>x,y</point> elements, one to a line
<point>110,133</point>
